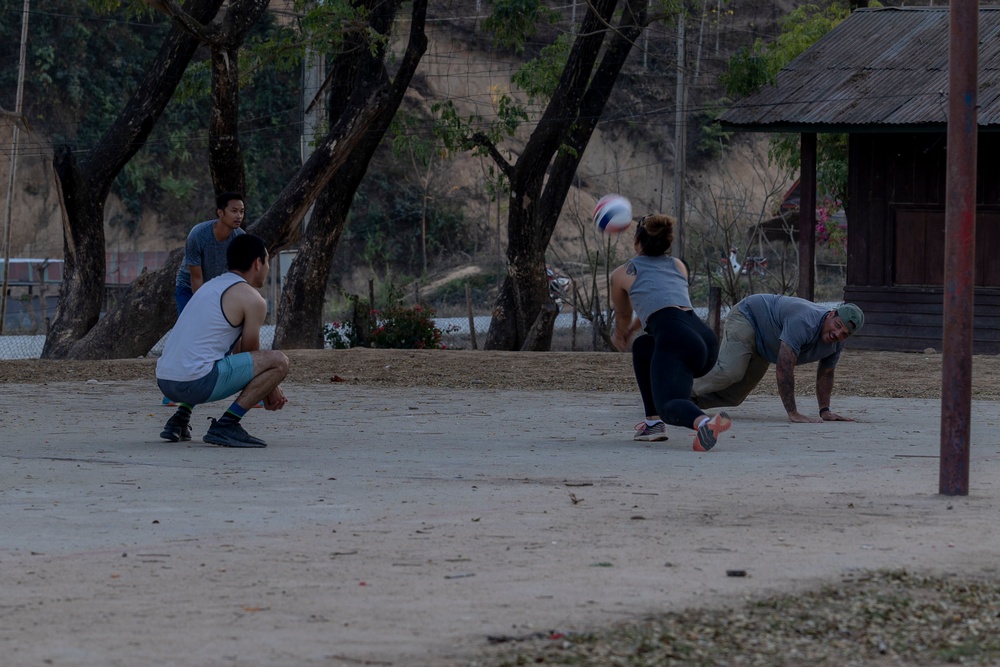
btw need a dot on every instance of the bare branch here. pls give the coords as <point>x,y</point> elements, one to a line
<point>208,34</point>
<point>480,139</point>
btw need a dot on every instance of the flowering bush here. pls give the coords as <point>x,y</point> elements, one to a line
<point>397,327</point>
<point>406,328</point>
<point>340,336</point>
<point>830,232</point>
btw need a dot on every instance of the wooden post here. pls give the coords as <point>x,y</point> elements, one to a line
<point>572,338</point>
<point>715,310</point>
<point>807,218</point>
<point>472,320</point>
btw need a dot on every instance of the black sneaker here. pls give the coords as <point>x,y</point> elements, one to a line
<point>176,429</point>
<point>230,435</point>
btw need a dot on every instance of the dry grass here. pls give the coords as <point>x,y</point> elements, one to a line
<point>881,618</point>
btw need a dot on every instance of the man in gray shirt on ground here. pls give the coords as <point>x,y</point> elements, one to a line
<point>765,329</point>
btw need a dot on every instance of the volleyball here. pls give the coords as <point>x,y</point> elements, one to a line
<point>613,214</point>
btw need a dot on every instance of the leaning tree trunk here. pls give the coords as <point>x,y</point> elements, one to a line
<point>86,188</point>
<point>303,295</point>
<point>538,192</point>
<point>151,296</point>
<point>300,316</point>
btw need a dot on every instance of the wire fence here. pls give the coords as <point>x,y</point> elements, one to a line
<point>455,334</point>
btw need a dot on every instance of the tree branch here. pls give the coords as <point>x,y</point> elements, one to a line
<point>480,139</point>
<point>208,34</point>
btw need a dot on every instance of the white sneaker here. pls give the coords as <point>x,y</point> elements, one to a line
<point>655,433</point>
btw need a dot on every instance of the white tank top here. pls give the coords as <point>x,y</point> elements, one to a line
<point>202,334</point>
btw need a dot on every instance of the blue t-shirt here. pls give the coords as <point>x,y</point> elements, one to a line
<point>204,250</point>
<point>796,322</point>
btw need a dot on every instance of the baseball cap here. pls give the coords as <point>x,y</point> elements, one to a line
<point>852,317</point>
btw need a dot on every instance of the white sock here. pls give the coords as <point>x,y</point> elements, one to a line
<point>653,422</point>
<point>704,421</point>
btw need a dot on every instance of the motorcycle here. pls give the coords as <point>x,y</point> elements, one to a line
<point>751,266</point>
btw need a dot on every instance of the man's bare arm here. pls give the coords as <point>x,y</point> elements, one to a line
<point>824,389</point>
<point>197,278</point>
<point>785,372</point>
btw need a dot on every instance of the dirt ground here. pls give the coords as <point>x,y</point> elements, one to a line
<point>860,373</point>
<point>417,507</point>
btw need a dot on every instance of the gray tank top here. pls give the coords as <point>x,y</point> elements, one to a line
<point>658,284</point>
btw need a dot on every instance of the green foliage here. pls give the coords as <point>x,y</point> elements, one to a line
<point>407,141</point>
<point>751,68</point>
<point>711,137</point>
<point>397,327</point>
<point>747,71</point>
<point>756,66</point>
<point>513,21</point>
<point>84,64</point>
<point>540,76</point>
<point>457,132</point>
<point>831,160</point>
<point>386,224</point>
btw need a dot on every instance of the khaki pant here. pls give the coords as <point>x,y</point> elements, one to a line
<point>739,368</point>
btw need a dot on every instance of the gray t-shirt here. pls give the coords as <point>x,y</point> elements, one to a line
<point>794,321</point>
<point>658,284</point>
<point>202,249</point>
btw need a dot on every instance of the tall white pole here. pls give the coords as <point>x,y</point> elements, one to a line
<point>680,152</point>
<point>13,161</point>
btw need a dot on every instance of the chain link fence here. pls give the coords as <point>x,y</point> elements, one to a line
<point>455,335</point>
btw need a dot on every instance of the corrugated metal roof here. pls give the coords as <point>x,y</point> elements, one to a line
<point>879,69</point>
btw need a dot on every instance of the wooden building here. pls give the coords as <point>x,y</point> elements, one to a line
<point>881,77</point>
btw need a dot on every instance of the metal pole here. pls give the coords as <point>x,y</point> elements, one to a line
<point>959,248</point>
<point>18,104</point>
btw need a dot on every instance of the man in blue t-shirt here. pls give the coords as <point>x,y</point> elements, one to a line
<point>765,329</point>
<point>205,250</point>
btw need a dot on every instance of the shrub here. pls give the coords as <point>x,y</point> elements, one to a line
<point>406,328</point>
<point>397,327</point>
<point>340,336</point>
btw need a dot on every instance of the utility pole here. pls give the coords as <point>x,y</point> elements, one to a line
<point>18,105</point>
<point>313,108</point>
<point>680,151</point>
<point>959,248</point>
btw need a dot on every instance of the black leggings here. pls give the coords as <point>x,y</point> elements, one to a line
<point>677,348</point>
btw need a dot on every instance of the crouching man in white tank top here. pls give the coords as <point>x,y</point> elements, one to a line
<point>214,351</point>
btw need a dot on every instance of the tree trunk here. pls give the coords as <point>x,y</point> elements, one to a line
<point>224,149</point>
<point>300,317</point>
<point>538,192</point>
<point>85,188</point>
<point>82,290</point>
<point>139,327</point>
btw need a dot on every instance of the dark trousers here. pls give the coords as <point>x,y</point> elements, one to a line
<point>677,348</point>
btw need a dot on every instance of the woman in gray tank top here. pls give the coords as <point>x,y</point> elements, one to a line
<point>650,292</point>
